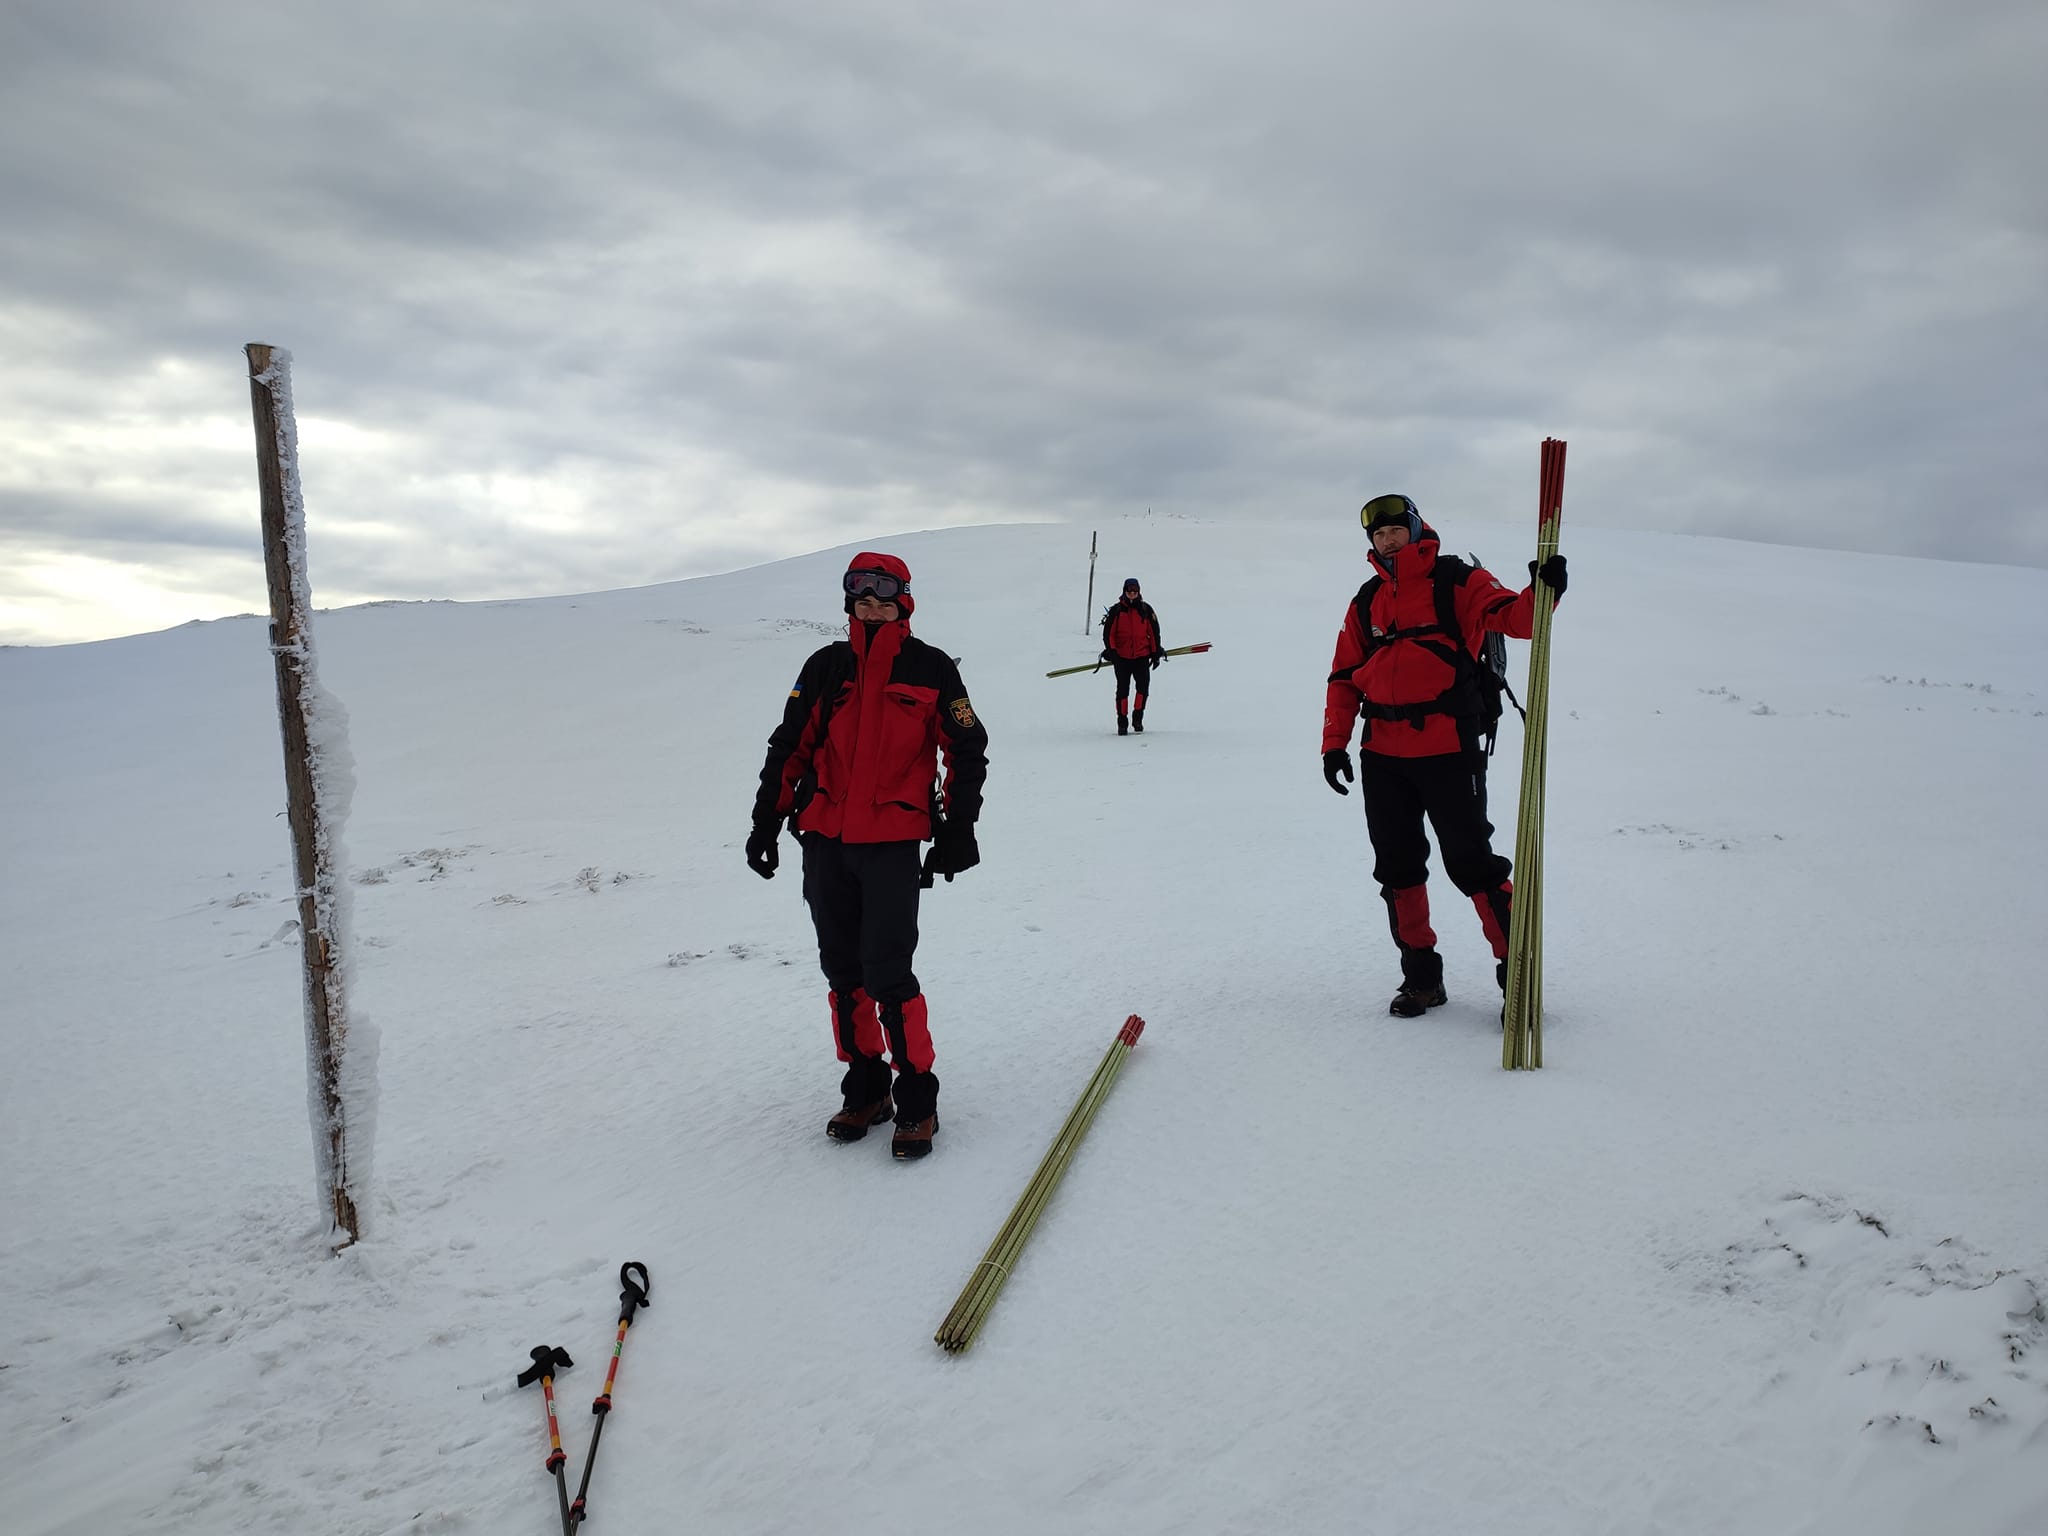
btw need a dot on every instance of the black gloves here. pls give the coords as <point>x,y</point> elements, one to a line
<point>1551,573</point>
<point>761,855</point>
<point>953,850</point>
<point>1336,761</point>
<point>1107,654</point>
<point>1159,658</point>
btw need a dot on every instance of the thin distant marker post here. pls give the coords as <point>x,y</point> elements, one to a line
<point>1088,619</point>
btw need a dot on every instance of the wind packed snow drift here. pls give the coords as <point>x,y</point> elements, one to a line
<point>1761,1249</point>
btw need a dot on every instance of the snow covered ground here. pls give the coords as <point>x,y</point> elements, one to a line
<point>1763,1249</point>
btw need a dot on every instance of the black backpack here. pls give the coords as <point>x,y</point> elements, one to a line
<point>1475,693</point>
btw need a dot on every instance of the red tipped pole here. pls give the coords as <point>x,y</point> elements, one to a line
<point>1522,1014</point>
<point>964,1322</point>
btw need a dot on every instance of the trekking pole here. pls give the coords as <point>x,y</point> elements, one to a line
<point>547,1359</point>
<point>1521,1046</point>
<point>631,1299</point>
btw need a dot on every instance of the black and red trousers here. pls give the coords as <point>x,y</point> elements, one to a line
<point>1131,670</point>
<point>1449,793</point>
<point>863,901</point>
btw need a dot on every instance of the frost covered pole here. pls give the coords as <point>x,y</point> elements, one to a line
<point>299,703</point>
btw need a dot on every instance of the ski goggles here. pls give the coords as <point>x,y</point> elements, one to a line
<point>1394,508</point>
<point>877,584</point>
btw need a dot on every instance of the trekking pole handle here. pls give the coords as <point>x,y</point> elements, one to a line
<point>634,1294</point>
<point>547,1359</point>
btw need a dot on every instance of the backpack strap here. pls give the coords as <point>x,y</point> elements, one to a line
<point>1442,639</point>
<point>1451,573</point>
<point>1362,606</point>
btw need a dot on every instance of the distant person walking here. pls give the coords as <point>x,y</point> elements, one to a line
<point>855,764</point>
<point>1406,663</point>
<point>1130,641</point>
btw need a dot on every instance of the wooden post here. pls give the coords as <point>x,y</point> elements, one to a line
<point>1088,623</point>
<point>284,563</point>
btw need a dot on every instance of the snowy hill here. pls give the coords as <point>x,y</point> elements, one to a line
<point>1763,1248</point>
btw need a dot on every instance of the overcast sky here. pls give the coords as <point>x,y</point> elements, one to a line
<point>590,296</point>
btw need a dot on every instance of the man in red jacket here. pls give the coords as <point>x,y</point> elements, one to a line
<point>1130,642</point>
<point>855,762</point>
<point>1407,663</point>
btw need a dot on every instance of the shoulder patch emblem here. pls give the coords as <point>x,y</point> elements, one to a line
<point>963,712</point>
<point>797,692</point>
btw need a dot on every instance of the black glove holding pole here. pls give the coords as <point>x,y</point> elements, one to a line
<point>1551,574</point>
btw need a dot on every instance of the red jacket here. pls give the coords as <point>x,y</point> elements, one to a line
<point>890,705</point>
<point>1131,630</point>
<point>1405,672</point>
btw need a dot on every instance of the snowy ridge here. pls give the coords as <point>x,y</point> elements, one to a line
<point>1760,1250</point>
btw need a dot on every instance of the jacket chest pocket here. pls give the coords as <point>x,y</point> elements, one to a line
<point>831,764</point>
<point>909,731</point>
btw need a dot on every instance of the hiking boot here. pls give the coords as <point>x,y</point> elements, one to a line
<point>1123,726</point>
<point>1414,1002</point>
<point>852,1122</point>
<point>914,1137</point>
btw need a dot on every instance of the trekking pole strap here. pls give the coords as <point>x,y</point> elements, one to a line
<point>634,1294</point>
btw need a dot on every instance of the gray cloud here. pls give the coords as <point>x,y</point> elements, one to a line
<point>583,300</point>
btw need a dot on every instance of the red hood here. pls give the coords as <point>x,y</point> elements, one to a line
<point>869,560</point>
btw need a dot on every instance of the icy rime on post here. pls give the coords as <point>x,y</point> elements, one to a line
<point>341,1064</point>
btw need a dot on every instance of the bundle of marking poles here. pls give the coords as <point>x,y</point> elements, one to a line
<point>1521,1046</point>
<point>986,1283</point>
<point>1097,666</point>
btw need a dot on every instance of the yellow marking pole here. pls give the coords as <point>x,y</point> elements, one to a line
<point>1522,1032</point>
<point>964,1322</point>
